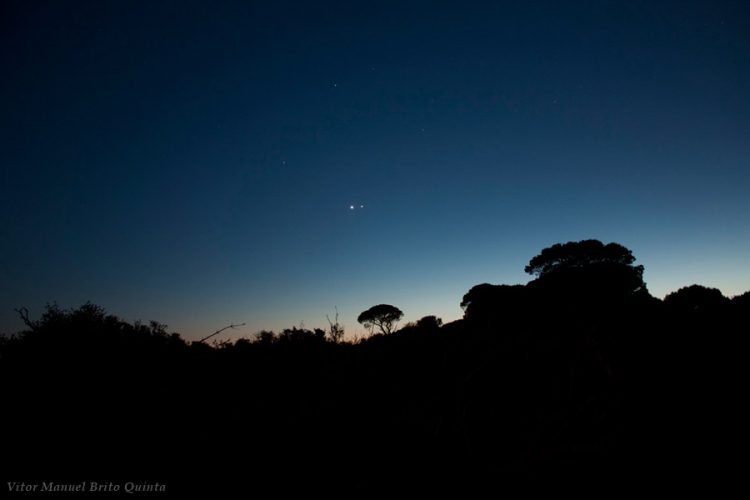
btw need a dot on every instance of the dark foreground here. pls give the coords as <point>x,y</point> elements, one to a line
<point>622,397</point>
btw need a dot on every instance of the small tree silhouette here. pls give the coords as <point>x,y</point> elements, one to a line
<point>335,329</point>
<point>383,316</point>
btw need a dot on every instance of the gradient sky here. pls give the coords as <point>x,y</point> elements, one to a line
<point>195,162</point>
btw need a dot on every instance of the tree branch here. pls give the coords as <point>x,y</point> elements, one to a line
<point>24,313</point>
<point>232,327</point>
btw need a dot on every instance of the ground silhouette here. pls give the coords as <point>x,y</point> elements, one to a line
<point>578,380</point>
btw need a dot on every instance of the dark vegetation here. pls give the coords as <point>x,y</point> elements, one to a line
<point>578,380</point>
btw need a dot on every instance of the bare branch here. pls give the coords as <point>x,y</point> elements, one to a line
<point>24,314</point>
<point>230,327</point>
<point>335,330</point>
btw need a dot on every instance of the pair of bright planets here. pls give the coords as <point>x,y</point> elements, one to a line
<point>356,207</point>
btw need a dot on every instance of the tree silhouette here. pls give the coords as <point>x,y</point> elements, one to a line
<point>490,301</point>
<point>477,292</point>
<point>587,268</point>
<point>383,316</point>
<point>696,298</point>
<point>578,254</point>
<point>335,329</point>
<point>431,322</point>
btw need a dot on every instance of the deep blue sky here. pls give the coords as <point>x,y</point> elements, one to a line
<point>195,162</point>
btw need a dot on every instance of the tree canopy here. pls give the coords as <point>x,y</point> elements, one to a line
<point>578,254</point>
<point>383,316</point>
<point>587,267</point>
<point>488,300</point>
<point>696,297</point>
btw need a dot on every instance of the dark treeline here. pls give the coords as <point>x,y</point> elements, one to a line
<point>578,380</point>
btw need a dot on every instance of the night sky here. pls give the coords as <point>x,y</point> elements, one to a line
<point>196,163</point>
